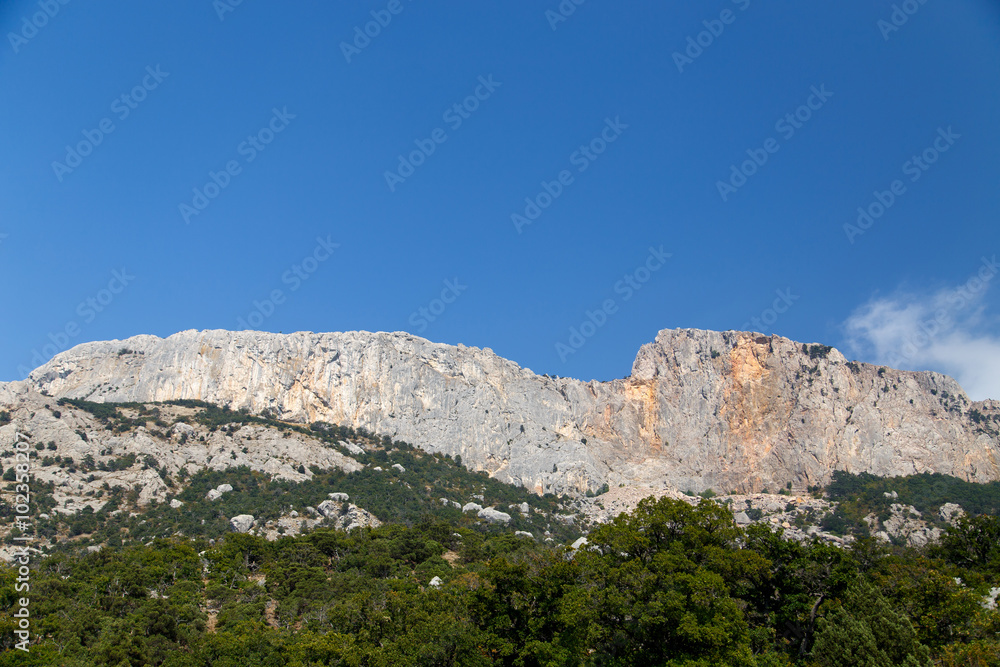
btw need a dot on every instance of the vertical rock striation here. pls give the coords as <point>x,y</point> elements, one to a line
<point>731,411</point>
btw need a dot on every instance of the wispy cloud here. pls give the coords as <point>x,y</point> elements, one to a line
<point>948,331</point>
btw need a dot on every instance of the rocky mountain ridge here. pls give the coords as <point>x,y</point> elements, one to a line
<point>729,411</point>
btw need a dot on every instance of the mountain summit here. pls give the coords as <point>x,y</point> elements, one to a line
<point>727,411</point>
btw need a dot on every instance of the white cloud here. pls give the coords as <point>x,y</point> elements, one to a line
<point>947,331</point>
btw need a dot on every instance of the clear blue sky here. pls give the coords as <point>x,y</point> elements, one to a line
<point>672,128</point>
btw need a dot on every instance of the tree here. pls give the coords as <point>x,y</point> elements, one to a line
<point>866,632</point>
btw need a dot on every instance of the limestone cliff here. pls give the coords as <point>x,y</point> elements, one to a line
<point>731,411</point>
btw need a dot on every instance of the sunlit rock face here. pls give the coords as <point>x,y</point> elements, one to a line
<point>731,411</point>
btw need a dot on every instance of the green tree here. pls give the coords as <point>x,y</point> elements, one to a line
<point>866,632</point>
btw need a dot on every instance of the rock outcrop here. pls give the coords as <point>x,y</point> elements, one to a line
<point>729,411</point>
<point>242,523</point>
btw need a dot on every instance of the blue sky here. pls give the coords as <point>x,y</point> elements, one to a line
<point>358,194</point>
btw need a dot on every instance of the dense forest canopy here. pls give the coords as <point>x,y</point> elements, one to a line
<point>669,584</point>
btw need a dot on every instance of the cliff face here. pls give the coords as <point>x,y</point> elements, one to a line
<point>731,411</point>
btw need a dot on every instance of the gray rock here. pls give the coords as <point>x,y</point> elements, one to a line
<point>217,492</point>
<point>472,507</point>
<point>524,508</point>
<point>700,409</point>
<point>950,512</point>
<point>435,582</point>
<point>242,523</point>
<point>340,497</point>
<point>742,518</point>
<point>176,504</point>
<point>523,533</point>
<point>398,467</point>
<point>580,542</point>
<point>492,515</point>
<point>352,448</point>
<point>330,508</point>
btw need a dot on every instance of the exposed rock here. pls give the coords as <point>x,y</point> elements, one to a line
<point>346,516</point>
<point>329,508</point>
<point>217,492</point>
<point>742,518</point>
<point>435,582</point>
<point>580,542</point>
<point>352,448</point>
<point>242,523</point>
<point>340,497</point>
<point>491,515</point>
<point>355,517</point>
<point>398,467</point>
<point>950,513</point>
<point>176,504</point>
<point>523,533</point>
<point>472,507</point>
<point>722,410</point>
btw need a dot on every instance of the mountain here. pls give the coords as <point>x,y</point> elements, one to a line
<point>728,411</point>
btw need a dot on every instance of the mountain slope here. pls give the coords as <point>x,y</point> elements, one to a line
<point>731,411</point>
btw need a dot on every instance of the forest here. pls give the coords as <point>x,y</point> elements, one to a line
<point>670,583</point>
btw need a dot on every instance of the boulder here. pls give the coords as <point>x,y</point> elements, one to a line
<point>216,493</point>
<point>176,504</point>
<point>472,507</point>
<point>241,523</point>
<point>950,512</point>
<point>491,515</point>
<point>435,582</point>
<point>330,509</point>
<point>340,497</point>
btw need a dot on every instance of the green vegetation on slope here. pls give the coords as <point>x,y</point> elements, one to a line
<point>668,584</point>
